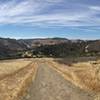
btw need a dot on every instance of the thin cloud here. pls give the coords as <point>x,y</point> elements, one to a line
<point>51,13</point>
<point>97,8</point>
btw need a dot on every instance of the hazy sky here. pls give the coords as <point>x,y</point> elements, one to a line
<point>74,19</point>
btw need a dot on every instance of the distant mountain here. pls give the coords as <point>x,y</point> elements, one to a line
<point>32,43</point>
<point>9,47</point>
<point>55,47</point>
<point>93,46</point>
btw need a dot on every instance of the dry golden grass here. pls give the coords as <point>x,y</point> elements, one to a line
<point>19,75</point>
<point>85,75</point>
<point>88,74</point>
<point>8,67</point>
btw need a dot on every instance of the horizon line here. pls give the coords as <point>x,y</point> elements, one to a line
<point>19,38</point>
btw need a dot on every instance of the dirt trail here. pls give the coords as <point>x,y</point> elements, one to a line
<point>50,85</point>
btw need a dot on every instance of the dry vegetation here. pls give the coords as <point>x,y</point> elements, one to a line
<point>10,66</point>
<point>85,75</point>
<point>16,76</point>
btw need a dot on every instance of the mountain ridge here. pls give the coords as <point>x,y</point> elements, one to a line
<point>48,46</point>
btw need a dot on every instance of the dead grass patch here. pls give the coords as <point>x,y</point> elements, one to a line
<point>85,75</point>
<point>9,67</point>
<point>14,85</point>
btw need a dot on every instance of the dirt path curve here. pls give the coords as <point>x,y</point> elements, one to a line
<point>50,85</point>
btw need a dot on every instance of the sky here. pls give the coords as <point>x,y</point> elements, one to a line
<point>72,19</point>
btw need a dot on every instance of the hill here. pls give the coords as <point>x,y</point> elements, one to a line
<point>50,47</point>
<point>10,47</point>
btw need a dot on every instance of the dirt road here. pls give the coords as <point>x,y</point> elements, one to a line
<point>50,85</point>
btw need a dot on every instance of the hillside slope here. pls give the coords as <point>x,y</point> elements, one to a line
<point>55,47</point>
